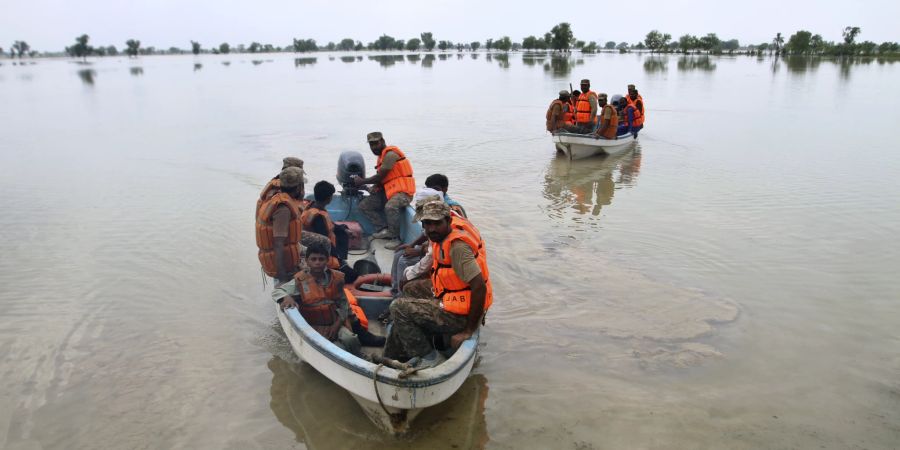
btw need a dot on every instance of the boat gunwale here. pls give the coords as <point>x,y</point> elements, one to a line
<point>445,371</point>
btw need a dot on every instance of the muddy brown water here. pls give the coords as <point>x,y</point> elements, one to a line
<point>728,283</point>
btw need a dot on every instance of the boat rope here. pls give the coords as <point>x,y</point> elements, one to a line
<point>405,371</point>
<point>378,394</point>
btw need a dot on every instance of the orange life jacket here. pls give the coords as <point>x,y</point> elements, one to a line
<point>271,188</point>
<point>560,120</point>
<point>583,109</point>
<point>307,217</point>
<point>613,124</point>
<point>357,310</point>
<point>569,113</point>
<point>455,294</point>
<point>638,117</point>
<point>400,178</point>
<point>318,303</point>
<point>640,109</point>
<point>265,239</point>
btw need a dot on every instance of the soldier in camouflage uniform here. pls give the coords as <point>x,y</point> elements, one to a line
<point>417,320</point>
<point>376,204</point>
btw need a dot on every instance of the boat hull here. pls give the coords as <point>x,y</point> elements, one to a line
<point>577,146</point>
<point>397,400</point>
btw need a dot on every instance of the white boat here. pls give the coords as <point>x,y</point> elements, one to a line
<point>388,398</point>
<point>577,146</point>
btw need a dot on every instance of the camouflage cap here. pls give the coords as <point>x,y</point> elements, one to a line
<point>601,95</point>
<point>585,81</point>
<point>374,136</point>
<point>291,177</point>
<point>433,210</point>
<point>291,161</point>
<point>564,93</point>
<point>631,87</point>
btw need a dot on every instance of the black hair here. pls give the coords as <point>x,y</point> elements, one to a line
<point>438,181</point>
<point>323,190</point>
<point>317,248</point>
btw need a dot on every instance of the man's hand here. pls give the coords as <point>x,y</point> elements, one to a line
<point>410,251</point>
<point>288,303</point>
<point>401,247</point>
<point>357,180</point>
<point>457,339</point>
<point>332,333</point>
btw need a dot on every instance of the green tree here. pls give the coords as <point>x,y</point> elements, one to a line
<point>358,46</point>
<point>384,42</point>
<point>622,46</point>
<point>444,45</point>
<point>867,48</point>
<point>254,47</point>
<point>610,45</point>
<point>20,48</point>
<point>474,45</point>
<point>195,47</point>
<point>688,42</point>
<point>850,34</point>
<point>132,47</point>
<point>816,44</point>
<point>81,49</point>
<point>711,43</point>
<point>533,43</point>
<point>884,48</point>
<point>111,50</point>
<point>488,44</point>
<point>798,43</point>
<point>591,47</point>
<point>428,41</point>
<point>503,44</point>
<point>224,48</point>
<point>305,45</point>
<point>346,44</point>
<point>731,45</point>
<point>413,44</point>
<point>657,41</point>
<point>561,37</point>
<point>778,44</point>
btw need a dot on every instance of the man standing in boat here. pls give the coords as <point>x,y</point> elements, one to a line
<point>278,227</point>
<point>392,190</point>
<point>274,186</point>
<point>318,293</point>
<point>462,290</point>
<point>585,110</point>
<point>557,112</point>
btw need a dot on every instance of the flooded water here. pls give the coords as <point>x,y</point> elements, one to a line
<point>729,283</point>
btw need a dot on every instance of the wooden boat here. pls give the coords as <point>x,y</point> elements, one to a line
<point>388,398</point>
<point>577,146</point>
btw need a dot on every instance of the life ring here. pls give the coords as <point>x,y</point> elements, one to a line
<point>378,279</point>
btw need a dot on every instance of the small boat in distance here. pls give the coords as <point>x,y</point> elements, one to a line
<point>577,146</point>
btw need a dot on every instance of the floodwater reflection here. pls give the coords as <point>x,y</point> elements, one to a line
<point>702,63</point>
<point>348,59</point>
<point>302,62</point>
<point>87,76</point>
<point>322,415</point>
<point>583,187</point>
<point>802,64</point>
<point>197,66</point>
<point>561,66</point>
<point>656,65</point>
<point>414,59</point>
<point>502,60</point>
<point>533,60</point>
<point>428,60</point>
<point>386,60</point>
<point>136,71</point>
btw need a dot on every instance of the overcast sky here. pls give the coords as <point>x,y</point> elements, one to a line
<point>50,25</point>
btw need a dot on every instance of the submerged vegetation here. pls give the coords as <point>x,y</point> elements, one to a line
<point>560,38</point>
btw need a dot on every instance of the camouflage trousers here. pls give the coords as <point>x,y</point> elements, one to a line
<point>419,288</point>
<point>415,322</point>
<point>375,205</point>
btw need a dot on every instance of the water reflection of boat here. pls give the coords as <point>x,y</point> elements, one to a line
<point>321,415</point>
<point>577,146</point>
<point>588,186</point>
<point>391,399</point>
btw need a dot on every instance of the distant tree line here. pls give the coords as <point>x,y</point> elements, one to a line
<point>560,38</point>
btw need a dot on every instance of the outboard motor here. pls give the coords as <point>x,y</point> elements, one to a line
<point>350,163</point>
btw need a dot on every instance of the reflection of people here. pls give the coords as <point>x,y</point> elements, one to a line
<point>462,290</point>
<point>393,189</point>
<point>279,227</point>
<point>557,112</point>
<point>318,293</point>
<point>609,119</point>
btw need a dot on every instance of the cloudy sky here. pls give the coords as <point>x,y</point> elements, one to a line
<point>50,25</point>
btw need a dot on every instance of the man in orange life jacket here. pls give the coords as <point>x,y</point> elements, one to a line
<point>273,186</point>
<point>462,292</point>
<point>318,293</point>
<point>317,220</point>
<point>585,110</point>
<point>392,190</point>
<point>558,115</point>
<point>278,227</point>
<point>609,119</point>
